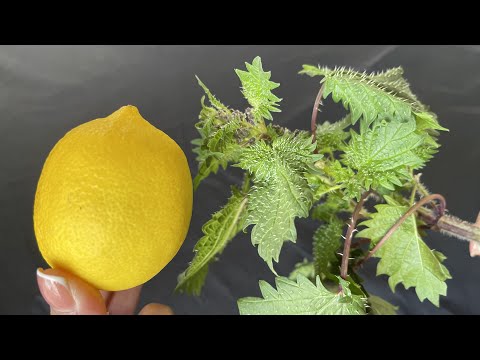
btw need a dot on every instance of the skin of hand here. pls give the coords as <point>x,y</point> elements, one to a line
<point>474,246</point>
<point>69,295</point>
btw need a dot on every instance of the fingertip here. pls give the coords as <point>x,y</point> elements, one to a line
<point>56,291</point>
<point>68,294</point>
<point>156,309</point>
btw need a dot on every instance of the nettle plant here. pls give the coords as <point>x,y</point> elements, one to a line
<point>331,174</point>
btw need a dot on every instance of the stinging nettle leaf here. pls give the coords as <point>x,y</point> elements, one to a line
<point>381,155</point>
<point>428,126</point>
<point>427,121</point>
<point>207,167</point>
<point>404,257</point>
<point>257,89</point>
<point>368,95</point>
<point>345,179</point>
<point>379,306</point>
<point>304,268</point>
<point>320,185</point>
<point>219,231</point>
<point>326,242</point>
<point>331,136</point>
<point>218,145</point>
<point>280,193</point>
<point>194,283</point>
<point>213,100</point>
<point>300,297</point>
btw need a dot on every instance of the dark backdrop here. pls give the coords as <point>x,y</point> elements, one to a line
<point>47,90</point>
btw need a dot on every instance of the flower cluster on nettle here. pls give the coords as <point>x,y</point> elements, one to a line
<point>331,174</point>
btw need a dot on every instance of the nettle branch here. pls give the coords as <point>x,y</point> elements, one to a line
<point>316,109</point>
<point>328,173</point>
<point>404,217</point>
<point>437,220</point>
<point>350,231</point>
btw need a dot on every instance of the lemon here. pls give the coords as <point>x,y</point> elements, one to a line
<point>114,201</point>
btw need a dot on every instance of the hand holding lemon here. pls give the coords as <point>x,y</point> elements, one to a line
<point>113,202</point>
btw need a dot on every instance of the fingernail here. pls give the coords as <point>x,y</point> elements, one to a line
<point>55,291</point>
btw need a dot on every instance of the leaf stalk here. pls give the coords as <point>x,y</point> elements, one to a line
<point>349,235</point>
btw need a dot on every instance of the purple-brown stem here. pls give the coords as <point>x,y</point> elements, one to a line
<point>349,235</point>
<point>458,228</point>
<point>318,102</point>
<point>418,205</point>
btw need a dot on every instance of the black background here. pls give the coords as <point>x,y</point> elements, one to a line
<point>47,90</point>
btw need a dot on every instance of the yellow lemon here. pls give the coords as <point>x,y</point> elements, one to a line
<point>114,201</point>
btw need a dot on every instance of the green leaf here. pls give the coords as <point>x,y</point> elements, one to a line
<point>331,136</point>
<point>257,89</point>
<point>219,144</point>
<point>378,306</point>
<point>405,257</point>
<point>383,154</point>
<point>368,95</point>
<point>280,193</point>
<point>208,166</point>
<point>274,206</point>
<point>209,118</point>
<point>213,100</point>
<point>350,183</point>
<point>291,151</point>
<point>427,125</point>
<point>320,186</point>
<point>302,297</point>
<point>194,283</point>
<point>304,268</point>
<point>393,80</point>
<point>427,121</point>
<point>326,242</point>
<point>220,230</point>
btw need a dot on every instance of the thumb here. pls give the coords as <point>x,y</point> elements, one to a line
<point>69,295</point>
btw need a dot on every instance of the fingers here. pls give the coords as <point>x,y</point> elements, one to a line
<point>68,295</point>
<point>124,302</point>
<point>475,246</point>
<point>156,309</point>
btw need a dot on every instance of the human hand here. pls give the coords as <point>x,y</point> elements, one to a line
<point>69,295</point>
<point>474,246</point>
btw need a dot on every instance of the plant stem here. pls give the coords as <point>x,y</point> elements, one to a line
<point>451,225</point>
<point>349,235</point>
<point>318,102</point>
<point>414,193</point>
<point>458,228</point>
<point>421,188</point>
<point>405,216</point>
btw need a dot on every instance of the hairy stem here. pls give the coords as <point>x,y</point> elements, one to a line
<point>414,193</point>
<point>318,102</point>
<point>451,225</point>
<point>405,216</point>
<point>421,188</point>
<point>460,229</point>
<point>349,235</point>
